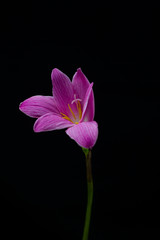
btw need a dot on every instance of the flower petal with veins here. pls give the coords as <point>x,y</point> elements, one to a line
<point>62,90</point>
<point>85,133</point>
<point>50,122</point>
<point>80,86</point>
<point>37,106</point>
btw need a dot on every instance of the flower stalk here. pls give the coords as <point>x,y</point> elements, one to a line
<point>87,153</point>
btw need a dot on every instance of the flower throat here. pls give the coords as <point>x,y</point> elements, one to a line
<point>79,110</point>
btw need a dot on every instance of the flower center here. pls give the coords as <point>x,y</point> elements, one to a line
<point>75,115</point>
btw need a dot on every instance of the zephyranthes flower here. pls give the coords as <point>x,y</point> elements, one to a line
<point>71,107</point>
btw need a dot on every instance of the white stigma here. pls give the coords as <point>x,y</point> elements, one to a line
<point>76,99</point>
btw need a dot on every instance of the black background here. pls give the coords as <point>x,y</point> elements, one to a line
<point>42,176</point>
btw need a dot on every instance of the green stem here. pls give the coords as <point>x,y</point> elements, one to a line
<point>90,193</point>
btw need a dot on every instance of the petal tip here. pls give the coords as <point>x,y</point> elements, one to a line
<point>21,106</point>
<point>79,69</point>
<point>54,72</point>
<point>55,69</point>
<point>80,72</point>
<point>35,127</point>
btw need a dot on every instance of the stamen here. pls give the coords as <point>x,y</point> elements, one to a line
<point>66,117</point>
<point>71,111</point>
<point>79,109</point>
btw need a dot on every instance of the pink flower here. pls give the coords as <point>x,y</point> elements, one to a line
<point>71,107</point>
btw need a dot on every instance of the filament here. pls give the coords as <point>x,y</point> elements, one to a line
<point>66,117</point>
<point>71,111</point>
<point>79,109</point>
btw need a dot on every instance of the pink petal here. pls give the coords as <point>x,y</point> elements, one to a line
<point>88,109</point>
<point>62,90</point>
<point>37,106</point>
<point>85,133</point>
<point>49,122</point>
<point>80,85</point>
